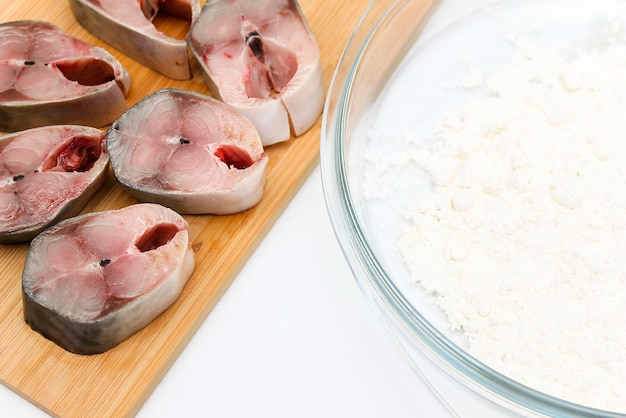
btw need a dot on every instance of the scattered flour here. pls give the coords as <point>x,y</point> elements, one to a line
<point>523,240</point>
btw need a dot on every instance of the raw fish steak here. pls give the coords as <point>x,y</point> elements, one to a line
<point>127,26</point>
<point>47,174</point>
<point>92,281</point>
<point>261,57</point>
<point>48,77</point>
<point>189,152</point>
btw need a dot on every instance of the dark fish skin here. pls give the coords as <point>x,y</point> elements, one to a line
<point>92,109</point>
<point>53,275</point>
<point>138,40</point>
<point>79,338</point>
<point>78,186</point>
<point>94,82</point>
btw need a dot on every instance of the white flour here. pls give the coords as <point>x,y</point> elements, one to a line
<point>523,240</point>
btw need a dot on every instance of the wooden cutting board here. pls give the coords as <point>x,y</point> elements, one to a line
<point>117,383</point>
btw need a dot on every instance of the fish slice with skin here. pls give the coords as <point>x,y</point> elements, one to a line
<point>47,174</point>
<point>261,57</point>
<point>127,26</point>
<point>48,77</point>
<point>188,152</point>
<point>92,281</point>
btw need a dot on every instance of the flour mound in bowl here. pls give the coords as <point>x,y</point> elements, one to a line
<point>522,238</point>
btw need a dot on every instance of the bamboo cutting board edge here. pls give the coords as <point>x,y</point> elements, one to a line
<point>182,343</point>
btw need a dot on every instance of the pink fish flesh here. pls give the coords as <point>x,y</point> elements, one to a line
<point>92,281</point>
<point>48,77</point>
<point>189,152</point>
<point>127,26</point>
<point>261,57</point>
<point>47,174</point>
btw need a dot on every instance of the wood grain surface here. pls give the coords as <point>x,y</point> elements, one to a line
<point>116,383</point>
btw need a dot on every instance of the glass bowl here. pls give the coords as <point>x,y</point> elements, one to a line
<point>393,80</point>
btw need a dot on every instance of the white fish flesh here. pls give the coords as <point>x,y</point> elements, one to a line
<point>48,77</point>
<point>127,26</point>
<point>92,281</point>
<point>261,57</point>
<point>188,152</point>
<point>47,174</point>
